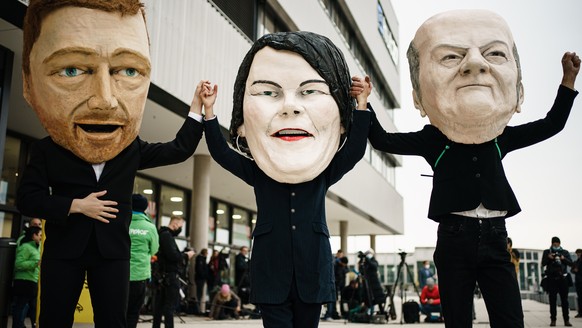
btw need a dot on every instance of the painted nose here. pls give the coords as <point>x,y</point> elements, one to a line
<point>290,105</point>
<point>103,97</point>
<point>474,63</point>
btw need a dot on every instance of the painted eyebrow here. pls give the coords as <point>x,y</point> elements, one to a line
<point>312,81</point>
<point>70,50</point>
<point>92,52</point>
<point>278,86</point>
<point>267,82</point>
<point>487,45</point>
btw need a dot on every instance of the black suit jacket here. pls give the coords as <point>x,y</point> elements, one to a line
<point>55,176</point>
<point>291,238</point>
<point>466,175</point>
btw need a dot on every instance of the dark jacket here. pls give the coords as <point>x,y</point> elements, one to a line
<point>469,174</point>
<point>55,176</point>
<point>370,270</point>
<point>241,271</point>
<point>170,259</point>
<point>557,269</point>
<point>201,268</point>
<point>291,238</point>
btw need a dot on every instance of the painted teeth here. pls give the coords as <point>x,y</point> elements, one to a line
<point>291,132</point>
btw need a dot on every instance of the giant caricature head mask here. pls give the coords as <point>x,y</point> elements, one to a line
<point>86,70</point>
<point>292,104</point>
<point>465,74</point>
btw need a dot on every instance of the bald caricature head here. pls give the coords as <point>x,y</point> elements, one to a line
<point>86,72</point>
<point>465,74</point>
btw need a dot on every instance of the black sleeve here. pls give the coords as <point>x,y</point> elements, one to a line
<point>168,248</point>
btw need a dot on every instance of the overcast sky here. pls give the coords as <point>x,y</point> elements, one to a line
<point>546,178</point>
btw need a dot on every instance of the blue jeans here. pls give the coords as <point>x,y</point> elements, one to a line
<point>428,309</point>
<point>471,251</point>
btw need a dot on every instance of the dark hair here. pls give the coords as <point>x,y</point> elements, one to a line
<point>39,9</point>
<point>319,52</point>
<point>29,232</point>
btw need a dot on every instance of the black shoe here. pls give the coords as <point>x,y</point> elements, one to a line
<point>553,323</point>
<point>567,324</point>
<point>579,315</point>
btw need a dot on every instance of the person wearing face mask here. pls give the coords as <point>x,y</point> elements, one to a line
<point>556,260</point>
<point>170,260</point>
<point>424,273</point>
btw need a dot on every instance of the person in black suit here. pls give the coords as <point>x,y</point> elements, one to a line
<point>80,178</point>
<point>201,273</point>
<point>171,262</point>
<point>295,88</point>
<point>468,82</point>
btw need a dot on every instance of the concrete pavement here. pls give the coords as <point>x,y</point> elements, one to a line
<point>536,315</point>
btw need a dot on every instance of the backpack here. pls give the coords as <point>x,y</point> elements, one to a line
<point>411,311</point>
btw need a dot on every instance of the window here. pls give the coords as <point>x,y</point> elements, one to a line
<point>10,167</point>
<point>241,230</point>
<point>241,13</point>
<point>360,51</point>
<point>146,188</point>
<point>172,202</point>
<point>222,224</point>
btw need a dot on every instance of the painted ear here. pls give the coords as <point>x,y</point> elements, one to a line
<point>520,97</point>
<point>26,88</point>
<point>418,104</point>
<point>241,130</point>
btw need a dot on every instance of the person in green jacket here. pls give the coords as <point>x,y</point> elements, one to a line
<point>144,244</point>
<point>34,222</point>
<point>26,270</point>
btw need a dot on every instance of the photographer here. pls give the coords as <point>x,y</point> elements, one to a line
<point>171,261</point>
<point>556,260</point>
<point>374,294</point>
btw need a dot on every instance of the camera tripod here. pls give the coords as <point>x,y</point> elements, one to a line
<point>400,283</point>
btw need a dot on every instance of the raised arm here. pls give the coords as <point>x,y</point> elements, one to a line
<point>571,68</point>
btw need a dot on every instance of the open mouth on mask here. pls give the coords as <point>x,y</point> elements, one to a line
<point>99,128</point>
<point>291,134</point>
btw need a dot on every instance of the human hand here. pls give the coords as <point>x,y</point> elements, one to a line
<point>430,301</point>
<point>207,94</point>
<point>95,208</point>
<point>361,89</point>
<point>190,254</point>
<point>196,105</point>
<point>571,68</point>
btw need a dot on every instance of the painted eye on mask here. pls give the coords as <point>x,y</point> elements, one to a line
<point>128,72</point>
<point>72,72</point>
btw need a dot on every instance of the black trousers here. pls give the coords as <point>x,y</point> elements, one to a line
<point>293,313</point>
<point>166,299</point>
<point>24,298</point>
<point>471,251</point>
<point>579,295</point>
<point>135,301</point>
<point>62,281</point>
<point>556,287</point>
